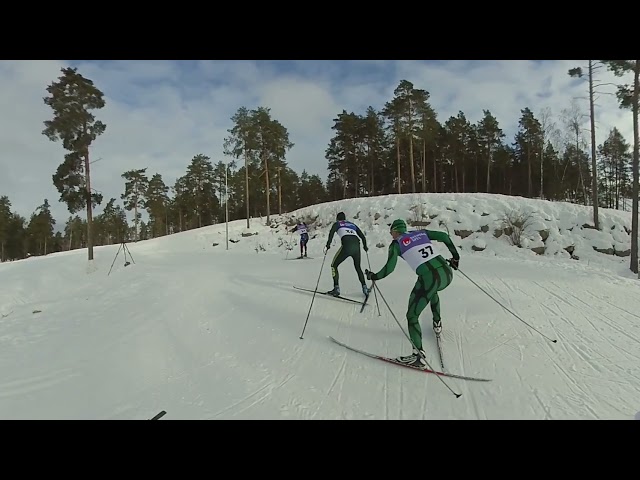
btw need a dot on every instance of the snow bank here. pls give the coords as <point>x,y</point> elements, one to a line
<point>479,224</point>
<point>485,223</point>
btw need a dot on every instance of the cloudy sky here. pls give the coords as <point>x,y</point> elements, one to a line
<point>159,114</point>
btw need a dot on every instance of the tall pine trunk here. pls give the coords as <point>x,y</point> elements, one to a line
<point>529,170</point>
<point>279,191</point>
<point>398,156</point>
<point>266,178</point>
<point>246,183</point>
<point>411,162</point>
<point>89,209</point>
<point>424,166</point>
<point>542,171</point>
<point>594,177</point>
<point>488,167</point>
<point>634,207</point>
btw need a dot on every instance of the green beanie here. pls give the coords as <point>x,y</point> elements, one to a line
<point>399,226</point>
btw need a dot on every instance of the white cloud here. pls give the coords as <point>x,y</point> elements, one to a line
<point>160,114</point>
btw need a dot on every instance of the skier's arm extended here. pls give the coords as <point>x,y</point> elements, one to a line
<point>446,239</point>
<point>389,267</point>
<point>334,229</point>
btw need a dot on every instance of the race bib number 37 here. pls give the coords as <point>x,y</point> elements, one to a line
<point>416,249</point>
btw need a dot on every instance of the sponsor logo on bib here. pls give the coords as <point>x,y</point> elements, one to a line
<point>406,241</point>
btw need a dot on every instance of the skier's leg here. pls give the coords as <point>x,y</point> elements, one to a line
<point>442,277</point>
<point>418,301</point>
<point>427,286</point>
<point>422,293</point>
<point>357,260</point>
<point>339,257</point>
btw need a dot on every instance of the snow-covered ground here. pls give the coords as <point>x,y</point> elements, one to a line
<point>206,333</point>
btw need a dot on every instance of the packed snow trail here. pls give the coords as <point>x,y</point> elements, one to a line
<point>207,336</point>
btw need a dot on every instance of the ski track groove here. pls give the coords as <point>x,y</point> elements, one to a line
<point>587,355</point>
<point>386,379</point>
<point>424,397</point>
<point>343,376</point>
<point>587,318</point>
<point>340,373</point>
<point>511,349</point>
<point>591,294</point>
<point>390,351</point>
<point>463,362</point>
<point>271,388</point>
<point>545,408</point>
<point>499,292</point>
<point>573,384</point>
<point>426,386</point>
<point>243,399</point>
<point>609,321</point>
<point>401,394</point>
<point>181,351</point>
<point>387,368</point>
<point>559,313</point>
<point>498,346</point>
<point>25,386</point>
<point>386,394</point>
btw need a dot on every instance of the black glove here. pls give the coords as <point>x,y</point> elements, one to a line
<point>370,275</point>
<point>454,262</point>
<point>366,249</point>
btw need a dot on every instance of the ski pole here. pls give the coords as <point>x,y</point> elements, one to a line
<point>375,295</point>
<point>288,245</point>
<point>314,294</point>
<point>492,298</point>
<point>458,395</point>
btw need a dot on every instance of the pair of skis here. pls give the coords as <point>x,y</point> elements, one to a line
<point>389,359</point>
<point>339,297</point>
<point>396,362</point>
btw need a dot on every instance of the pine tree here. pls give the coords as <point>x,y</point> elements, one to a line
<point>72,98</point>
<point>134,195</point>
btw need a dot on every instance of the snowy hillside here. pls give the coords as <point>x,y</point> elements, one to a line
<point>206,333</point>
<point>477,222</point>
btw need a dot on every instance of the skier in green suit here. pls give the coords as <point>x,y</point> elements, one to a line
<point>434,275</point>
<point>350,236</point>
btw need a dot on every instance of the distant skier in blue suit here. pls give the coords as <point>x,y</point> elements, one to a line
<point>302,229</point>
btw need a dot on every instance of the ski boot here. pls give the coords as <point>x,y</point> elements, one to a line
<point>335,292</point>
<point>414,360</point>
